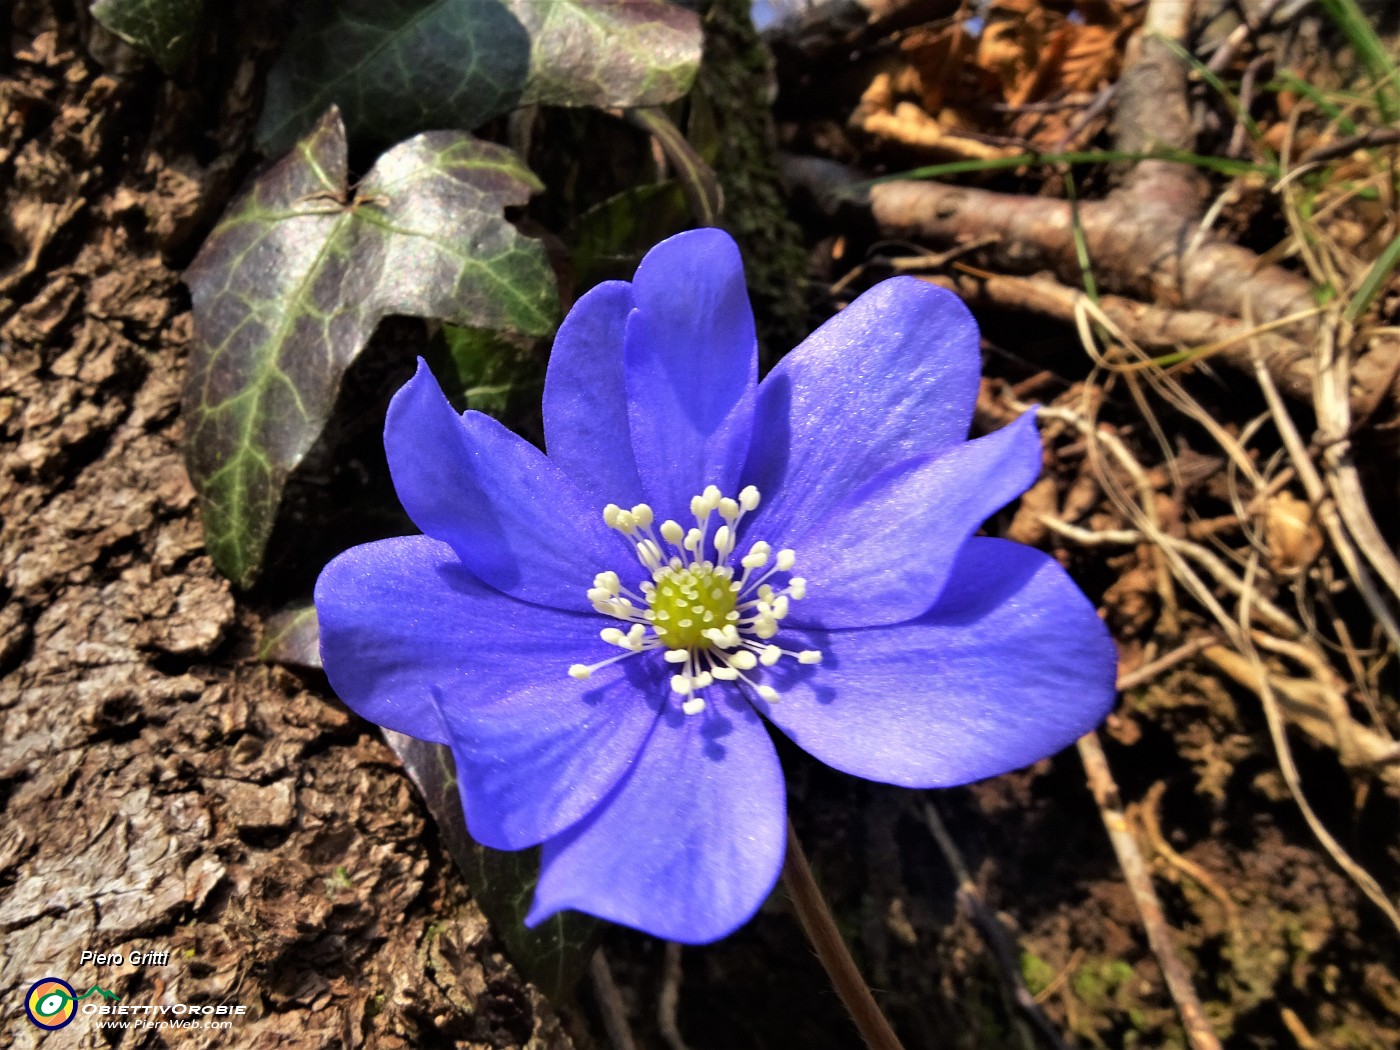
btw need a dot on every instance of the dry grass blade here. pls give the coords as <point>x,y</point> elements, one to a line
<point>1278,733</point>
<point>1334,422</point>
<point>1325,507</point>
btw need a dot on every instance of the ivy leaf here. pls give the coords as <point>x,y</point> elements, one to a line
<point>554,954</point>
<point>610,238</point>
<point>292,636</point>
<point>400,66</point>
<point>290,285</point>
<point>490,372</point>
<point>164,29</point>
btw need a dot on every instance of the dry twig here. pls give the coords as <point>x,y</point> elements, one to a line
<point>670,998</point>
<point>1146,240</point>
<point>610,1003</point>
<point>1193,1017</point>
<point>994,935</point>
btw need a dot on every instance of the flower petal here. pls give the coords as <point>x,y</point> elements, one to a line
<point>414,642</point>
<point>541,759</point>
<point>511,515</point>
<point>691,359</point>
<point>690,844</point>
<point>885,555</point>
<point>892,376</point>
<point>1009,666</point>
<point>585,398</point>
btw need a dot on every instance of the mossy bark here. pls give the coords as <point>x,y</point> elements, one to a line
<point>736,79</point>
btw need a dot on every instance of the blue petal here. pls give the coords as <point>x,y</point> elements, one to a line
<point>511,515</point>
<point>886,553</point>
<point>691,360</point>
<point>541,759</point>
<point>690,844</point>
<point>585,398</point>
<point>414,642</point>
<point>1009,666</point>
<point>891,377</point>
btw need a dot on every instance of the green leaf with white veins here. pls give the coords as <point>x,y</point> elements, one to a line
<point>399,66</point>
<point>290,285</point>
<point>164,29</point>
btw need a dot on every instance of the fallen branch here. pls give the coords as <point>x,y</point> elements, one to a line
<point>1141,248</point>
<point>1147,240</point>
<point>1152,328</point>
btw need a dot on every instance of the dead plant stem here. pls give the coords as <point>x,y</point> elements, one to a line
<point>1199,1033</point>
<point>1278,733</point>
<point>1325,507</point>
<point>610,1003</point>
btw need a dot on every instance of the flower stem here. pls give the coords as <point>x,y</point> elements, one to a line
<point>821,930</point>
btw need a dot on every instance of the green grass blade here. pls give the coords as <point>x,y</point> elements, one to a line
<point>1371,51</point>
<point>1231,99</point>
<point>1374,281</point>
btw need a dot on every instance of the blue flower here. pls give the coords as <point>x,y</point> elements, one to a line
<point>599,634</point>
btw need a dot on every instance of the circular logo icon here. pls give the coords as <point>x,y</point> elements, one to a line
<point>51,1003</point>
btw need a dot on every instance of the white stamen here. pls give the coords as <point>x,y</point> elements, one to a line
<point>707,624</point>
<point>724,542</point>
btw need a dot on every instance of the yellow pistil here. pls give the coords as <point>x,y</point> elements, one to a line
<point>713,620</point>
<point>689,601</point>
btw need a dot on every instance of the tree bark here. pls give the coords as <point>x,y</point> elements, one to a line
<point>161,791</point>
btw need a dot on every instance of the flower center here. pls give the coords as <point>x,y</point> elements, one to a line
<point>687,602</point>
<point>706,621</point>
